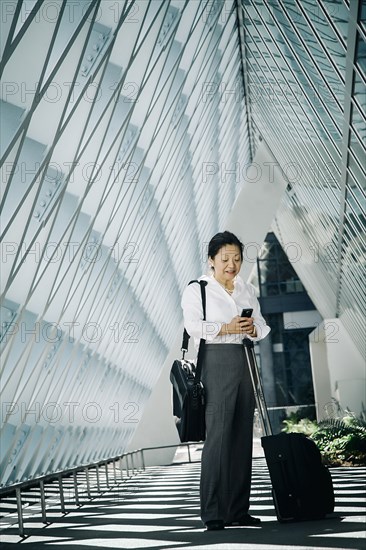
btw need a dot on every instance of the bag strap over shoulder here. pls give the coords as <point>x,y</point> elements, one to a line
<point>186,336</point>
<point>185,341</point>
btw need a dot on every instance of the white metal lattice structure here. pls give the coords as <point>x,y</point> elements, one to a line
<point>305,72</point>
<point>110,112</point>
<point>125,125</point>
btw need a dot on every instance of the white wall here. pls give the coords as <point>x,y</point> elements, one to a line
<point>338,369</point>
<point>156,426</point>
<point>301,319</point>
<point>250,220</point>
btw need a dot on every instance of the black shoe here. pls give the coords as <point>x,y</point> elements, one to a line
<point>245,520</point>
<point>214,525</point>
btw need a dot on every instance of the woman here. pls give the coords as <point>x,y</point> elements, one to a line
<point>227,452</point>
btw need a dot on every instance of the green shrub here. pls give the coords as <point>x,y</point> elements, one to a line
<point>339,440</point>
<point>304,426</point>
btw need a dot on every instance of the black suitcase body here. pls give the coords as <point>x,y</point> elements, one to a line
<point>188,401</point>
<point>302,486</point>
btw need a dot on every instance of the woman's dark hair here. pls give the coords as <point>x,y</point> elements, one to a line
<point>221,239</point>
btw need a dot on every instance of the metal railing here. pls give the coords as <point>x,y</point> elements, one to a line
<point>134,463</point>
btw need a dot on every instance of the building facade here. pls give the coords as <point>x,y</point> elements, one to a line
<point>132,131</point>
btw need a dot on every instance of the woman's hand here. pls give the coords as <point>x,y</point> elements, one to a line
<point>239,325</point>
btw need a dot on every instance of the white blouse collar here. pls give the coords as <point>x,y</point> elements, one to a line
<point>238,281</point>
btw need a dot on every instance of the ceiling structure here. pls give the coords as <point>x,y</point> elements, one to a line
<point>126,125</point>
<point>117,116</point>
<point>305,70</point>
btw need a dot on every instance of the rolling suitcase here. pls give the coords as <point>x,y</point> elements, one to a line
<point>302,486</point>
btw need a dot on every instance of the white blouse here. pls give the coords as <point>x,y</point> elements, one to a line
<point>221,307</point>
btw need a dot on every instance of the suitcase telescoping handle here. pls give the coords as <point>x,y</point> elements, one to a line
<point>257,386</point>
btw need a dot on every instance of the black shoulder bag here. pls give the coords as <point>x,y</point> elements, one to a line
<point>188,390</point>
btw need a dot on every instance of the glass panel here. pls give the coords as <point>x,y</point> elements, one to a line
<point>359,92</point>
<point>296,60</point>
<point>354,247</point>
<point>339,14</point>
<point>353,261</point>
<point>276,274</point>
<point>286,88</point>
<point>298,370</point>
<point>329,39</point>
<point>355,196</point>
<point>357,172</point>
<point>311,68</point>
<point>363,15</point>
<point>358,124</point>
<point>11,116</point>
<point>25,12</point>
<point>358,148</point>
<point>361,54</point>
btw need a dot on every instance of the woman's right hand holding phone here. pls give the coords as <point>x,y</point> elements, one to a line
<point>239,325</point>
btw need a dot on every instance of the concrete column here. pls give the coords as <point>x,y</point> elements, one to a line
<point>338,370</point>
<point>321,376</point>
<point>256,205</point>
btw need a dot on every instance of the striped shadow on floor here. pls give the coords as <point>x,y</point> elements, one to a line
<point>159,508</point>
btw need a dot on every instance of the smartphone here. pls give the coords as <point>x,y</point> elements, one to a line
<point>246,312</point>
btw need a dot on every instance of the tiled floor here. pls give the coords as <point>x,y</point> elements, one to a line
<point>159,508</point>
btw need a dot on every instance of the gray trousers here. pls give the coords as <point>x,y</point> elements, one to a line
<point>226,463</point>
